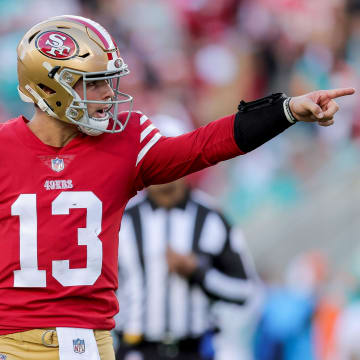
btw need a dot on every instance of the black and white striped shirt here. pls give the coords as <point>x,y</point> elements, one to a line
<point>156,303</point>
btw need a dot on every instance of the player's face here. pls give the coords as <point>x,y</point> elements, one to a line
<point>98,90</point>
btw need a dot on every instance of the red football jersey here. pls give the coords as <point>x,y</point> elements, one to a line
<point>61,210</point>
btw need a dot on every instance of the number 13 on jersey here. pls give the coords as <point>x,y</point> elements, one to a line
<point>29,274</point>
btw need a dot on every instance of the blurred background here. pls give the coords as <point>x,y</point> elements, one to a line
<point>298,196</point>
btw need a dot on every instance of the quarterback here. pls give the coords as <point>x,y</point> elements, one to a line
<point>75,164</point>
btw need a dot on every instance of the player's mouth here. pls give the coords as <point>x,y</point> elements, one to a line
<point>102,112</point>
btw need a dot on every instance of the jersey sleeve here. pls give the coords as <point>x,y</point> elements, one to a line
<point>164,159</point>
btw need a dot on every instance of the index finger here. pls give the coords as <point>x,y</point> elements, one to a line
<point>335,93</point>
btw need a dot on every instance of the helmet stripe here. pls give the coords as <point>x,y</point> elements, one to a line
<point>97,29</point>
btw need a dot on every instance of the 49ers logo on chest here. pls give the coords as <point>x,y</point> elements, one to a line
<point>57,45</point>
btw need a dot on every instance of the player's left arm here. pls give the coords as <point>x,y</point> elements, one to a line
<point>254,124</point>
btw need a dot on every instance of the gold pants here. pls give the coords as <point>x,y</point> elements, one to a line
<point>42,344</point>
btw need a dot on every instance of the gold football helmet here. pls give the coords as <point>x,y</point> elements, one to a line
<point>57,53</point>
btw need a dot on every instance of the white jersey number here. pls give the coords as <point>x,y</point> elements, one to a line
<point>29,275</point>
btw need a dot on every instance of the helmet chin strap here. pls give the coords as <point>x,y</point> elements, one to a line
<point>100,124</point>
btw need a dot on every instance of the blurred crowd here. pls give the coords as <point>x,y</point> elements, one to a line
<point>195,60</point>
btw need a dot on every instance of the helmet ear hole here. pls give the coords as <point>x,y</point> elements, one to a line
<point>46,89</point>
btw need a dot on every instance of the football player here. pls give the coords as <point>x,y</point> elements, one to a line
<point>67,174</point>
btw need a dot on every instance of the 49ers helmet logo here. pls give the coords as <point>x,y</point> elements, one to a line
<point>57,45</point>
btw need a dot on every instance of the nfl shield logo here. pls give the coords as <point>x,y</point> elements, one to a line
<point>79,346</point>
<point>57,164</point>
<point>3,357</point>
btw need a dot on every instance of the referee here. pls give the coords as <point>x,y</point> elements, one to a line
<point>177,257</point>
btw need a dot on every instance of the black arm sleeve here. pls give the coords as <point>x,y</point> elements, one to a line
<point>259,121</point>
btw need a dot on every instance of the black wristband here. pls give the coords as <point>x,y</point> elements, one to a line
<point>259,121</point>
